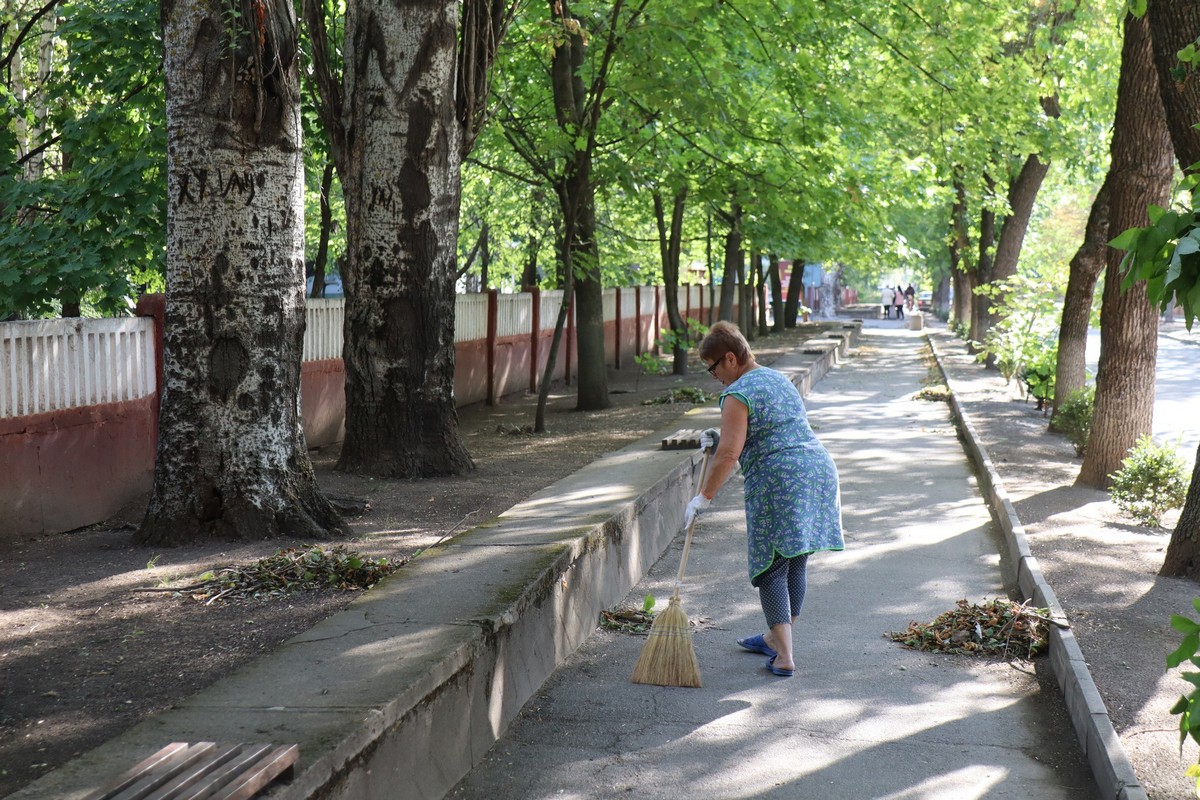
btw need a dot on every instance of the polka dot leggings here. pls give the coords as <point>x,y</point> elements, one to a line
<point>781,588</point>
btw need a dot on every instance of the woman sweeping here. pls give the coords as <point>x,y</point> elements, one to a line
<point>793,502</point>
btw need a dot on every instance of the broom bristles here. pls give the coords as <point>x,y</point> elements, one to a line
<point>668,658</point>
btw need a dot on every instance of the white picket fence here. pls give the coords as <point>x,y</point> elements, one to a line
<point>50,365</point>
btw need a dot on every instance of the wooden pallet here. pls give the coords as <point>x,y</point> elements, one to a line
<point>685,439</point>
<point>203,771</point>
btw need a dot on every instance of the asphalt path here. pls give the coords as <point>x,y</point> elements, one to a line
<point>863,717</point>
<point>1175,387</point>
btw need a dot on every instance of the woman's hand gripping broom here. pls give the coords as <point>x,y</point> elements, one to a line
<point>668,657</point>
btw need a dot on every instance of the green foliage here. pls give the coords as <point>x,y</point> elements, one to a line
<point>1188,706</point>
<point>1074,417</point>
<point>1038,373</point>
<point>670,340</point>
<point>1152,480</point>
<point>1166,254</point>
<point>91,227</point>
<point>651,364</point>
<point>292,569</point>
<point>1028,310</point>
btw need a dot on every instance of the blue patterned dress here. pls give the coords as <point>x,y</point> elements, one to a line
<point>793,500</point>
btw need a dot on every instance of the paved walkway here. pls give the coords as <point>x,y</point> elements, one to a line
<point>863,718</point>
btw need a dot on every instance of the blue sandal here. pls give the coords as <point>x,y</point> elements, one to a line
<point>780,671</point>
<point>757,644</point>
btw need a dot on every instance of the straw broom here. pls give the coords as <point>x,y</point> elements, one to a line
<point>668,658</point>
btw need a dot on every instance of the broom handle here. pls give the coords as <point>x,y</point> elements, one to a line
<point>687,542</point>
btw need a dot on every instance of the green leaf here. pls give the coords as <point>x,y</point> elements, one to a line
<point>1190,644</point>
<point>1127,239</point>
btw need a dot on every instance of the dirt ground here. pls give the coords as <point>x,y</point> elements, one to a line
<point>84,657</point>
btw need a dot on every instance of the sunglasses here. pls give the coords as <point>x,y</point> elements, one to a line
<point>713,369</point>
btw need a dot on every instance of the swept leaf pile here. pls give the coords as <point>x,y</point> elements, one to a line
<point>290,570</point>
<point>997,627</point>
<point>627,620</point>
<point>680,394</point>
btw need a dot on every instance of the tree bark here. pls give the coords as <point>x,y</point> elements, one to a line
<point>983,273</point>
<point>1022,193</point>
<point>1173,26</point>
<point>401,185</point>
<point>795,291</point>
<point>232,461</point>
<point>670,245</point>
<point>731,263</point>
<point>760,293</point>
<point>1142,169</point>
<point>1086,265</point>
<point>776,294</point>
<point>959,241</point>
<point>577,202</point>
<point>322,259</point>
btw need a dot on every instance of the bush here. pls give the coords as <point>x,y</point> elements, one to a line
<point>1038,374</point>
<point>1152,480</point>
<point>1074,417</point>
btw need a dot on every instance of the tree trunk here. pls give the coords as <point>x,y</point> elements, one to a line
<point>1174,26</point>
<point>959,241</point>
<point>322,259</point>
<point>731,265</point>
<point>760,294</point>
<point>670,245</point>
<point>577,203</point>
<point>795,291</point>
<point>1183,551</point>
<point>745,319</point>
<point>776,294</point>
<point>232,461</point>
<point>1070,371</point>
<point>940,296</point>
<point>402,201</point>
<point>982,274</point>
<point>1142,169</point>
<point>1021,196</point>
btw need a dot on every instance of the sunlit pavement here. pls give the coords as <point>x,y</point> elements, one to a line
<point>864,717</point>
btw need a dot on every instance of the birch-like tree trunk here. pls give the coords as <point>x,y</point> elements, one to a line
<point>401,183</point>
<point>232,461</point>
<point>1142,168</point>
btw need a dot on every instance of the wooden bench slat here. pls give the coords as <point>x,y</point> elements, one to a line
<point>272,765</point>
<point>130,776</point>
<point>145,784</point>
<point>198,774</point>
<point>202,771</point>
<point>244,758</point>
<point>684,439</point>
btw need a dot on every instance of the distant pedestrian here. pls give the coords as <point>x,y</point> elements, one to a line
<point>885,300</point>
<point>898,302</point>
<point>910,296</point>
<point>793,500</point>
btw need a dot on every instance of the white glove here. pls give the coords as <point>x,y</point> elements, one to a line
<point>694,507</point>
<point>709,439</point>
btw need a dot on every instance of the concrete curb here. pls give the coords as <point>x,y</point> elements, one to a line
<point>1093,727</point>
<point>402,693</point>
